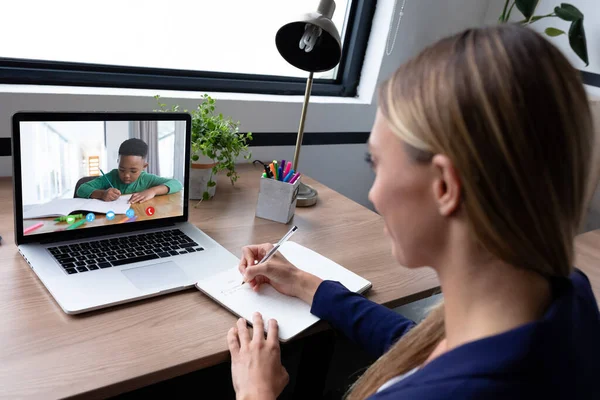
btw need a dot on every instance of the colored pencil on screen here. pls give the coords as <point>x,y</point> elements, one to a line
<point>76,225</point>
<point>33,228</point>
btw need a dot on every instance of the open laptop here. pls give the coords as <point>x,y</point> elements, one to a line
<point>74,224</point>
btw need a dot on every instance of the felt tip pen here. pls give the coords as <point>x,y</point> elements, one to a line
<point>288,176</point>
<point>76,225</point>
<point>295,178</point>
<point>287,168</point>
<point>33,228</point>
<point>267,171</point>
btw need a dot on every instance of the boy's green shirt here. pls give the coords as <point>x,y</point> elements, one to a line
<point>143,182</point>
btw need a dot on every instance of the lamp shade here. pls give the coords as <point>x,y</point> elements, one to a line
<point>327,51</point>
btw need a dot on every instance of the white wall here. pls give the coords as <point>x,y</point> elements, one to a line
<point>591,11</point>
<point>116,133</point>
<point>424,22</point>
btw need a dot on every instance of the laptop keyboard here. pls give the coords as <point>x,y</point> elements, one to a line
<point>106,253</point>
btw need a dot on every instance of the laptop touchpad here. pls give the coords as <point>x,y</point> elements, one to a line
<point>162,276</point>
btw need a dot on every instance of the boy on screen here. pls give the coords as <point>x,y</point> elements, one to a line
<point>129,178</point>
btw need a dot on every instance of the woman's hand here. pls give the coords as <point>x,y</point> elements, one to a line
<point>256,367</point>
<point>278,272</point>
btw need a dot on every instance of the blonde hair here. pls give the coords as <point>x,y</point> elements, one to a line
<point>512,114</point>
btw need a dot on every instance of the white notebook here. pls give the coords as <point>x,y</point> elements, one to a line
<point>61,207</point>
<point>292,314</point>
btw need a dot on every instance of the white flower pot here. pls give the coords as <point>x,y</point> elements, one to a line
<point>200,171</point>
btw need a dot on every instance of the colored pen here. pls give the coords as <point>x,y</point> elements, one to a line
<point>104,175</point>
<point>32,228</point>
<point>276,168</point>
<point>280,174</point>
<point>65,217</point>
<point>295,177</point>
<point>287,168</point>
<point>76,225</point>
<point>277,246</point>
<point>267,171</point>
<point>283,164</point>
<point>264,175</point>
<point>289,176</point>
<point>272,170</point>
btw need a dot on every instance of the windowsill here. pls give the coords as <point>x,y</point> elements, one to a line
<point>593,92</point>
<point>174,94</point>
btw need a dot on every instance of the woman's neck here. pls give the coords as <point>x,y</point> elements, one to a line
<point>487,297</point>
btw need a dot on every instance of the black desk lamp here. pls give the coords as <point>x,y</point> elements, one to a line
<point>311,43</point>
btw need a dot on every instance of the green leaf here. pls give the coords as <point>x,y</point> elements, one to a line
<point>527,7</point>
<point>211,184</point>
<point>553,32</point>
<point>568,12</point>
<point>503,15</point>
<point>195,157</point>
<point>507,17</point>
<point>205,196</point>
<point>578,41</point>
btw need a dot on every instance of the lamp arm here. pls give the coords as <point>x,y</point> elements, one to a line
<point>309,83</point>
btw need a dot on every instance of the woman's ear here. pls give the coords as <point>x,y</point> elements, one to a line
<point>145,165</point>
<point>446,185</point>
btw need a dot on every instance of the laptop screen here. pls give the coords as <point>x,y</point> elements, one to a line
<point>86,174</point>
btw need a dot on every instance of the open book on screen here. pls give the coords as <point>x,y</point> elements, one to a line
<point>292,314</point>
<point>61,207</point>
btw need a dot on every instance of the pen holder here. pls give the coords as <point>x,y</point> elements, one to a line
<point>277,200</point>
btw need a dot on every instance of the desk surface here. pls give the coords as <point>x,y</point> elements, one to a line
<point>587,258</point>
<point>169,205</point>
<point>46,353</point>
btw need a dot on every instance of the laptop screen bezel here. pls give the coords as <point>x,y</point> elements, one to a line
<point>19,117</point>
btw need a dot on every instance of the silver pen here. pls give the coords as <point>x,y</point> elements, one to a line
<point>277,246</point>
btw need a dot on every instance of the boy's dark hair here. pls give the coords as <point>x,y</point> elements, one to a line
<point>133,147</point>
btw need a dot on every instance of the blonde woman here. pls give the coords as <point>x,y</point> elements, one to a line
<point>481,149</point>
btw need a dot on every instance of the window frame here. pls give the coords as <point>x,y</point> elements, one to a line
<point>358,28</point>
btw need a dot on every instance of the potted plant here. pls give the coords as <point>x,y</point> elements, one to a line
<point>216,144</point>
<point>564,11</point>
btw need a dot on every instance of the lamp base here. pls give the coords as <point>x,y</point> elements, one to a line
<point>307,196</point>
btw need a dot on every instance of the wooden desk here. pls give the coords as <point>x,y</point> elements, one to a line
<point>45,353</point>
<point>169,205</point>
<point>587,258</point>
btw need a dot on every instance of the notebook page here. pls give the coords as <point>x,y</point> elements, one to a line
<point>59,207</point>
<point>292,314</point>
<point>119,206</point>
<point>54,208</point>
<point>326,269</point>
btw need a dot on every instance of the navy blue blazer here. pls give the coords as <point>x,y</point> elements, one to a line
<point>556,357</point>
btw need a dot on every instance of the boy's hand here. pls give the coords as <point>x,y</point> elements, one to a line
<point>142,196</point>
<point>111,194</point>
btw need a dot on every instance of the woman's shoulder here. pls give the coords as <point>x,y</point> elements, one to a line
<point>582,285</point>
<point>561,347</point>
